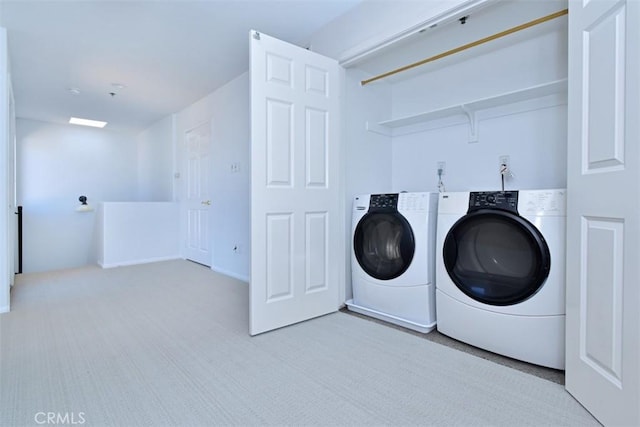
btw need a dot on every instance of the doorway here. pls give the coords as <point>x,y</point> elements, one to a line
<point>197,201</point>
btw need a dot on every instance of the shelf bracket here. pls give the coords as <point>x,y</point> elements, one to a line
<point>473,123</point>
<point>376,128</point>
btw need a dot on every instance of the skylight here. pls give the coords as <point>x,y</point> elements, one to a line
<point>87,122</point>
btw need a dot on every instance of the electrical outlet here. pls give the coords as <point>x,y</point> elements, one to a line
<point>441,166</point>
<point>503,160</point>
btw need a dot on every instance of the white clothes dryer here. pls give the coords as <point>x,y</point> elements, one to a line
<point>500,272</point>
<point>393,258</point>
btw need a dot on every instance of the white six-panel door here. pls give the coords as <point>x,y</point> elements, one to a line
<point>297,222</point>
<point>7,217</point>
<point>198,191</point>
<point>603,218</point>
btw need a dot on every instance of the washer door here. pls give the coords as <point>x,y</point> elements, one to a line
<point>496,257</point>
<point>384,244</point>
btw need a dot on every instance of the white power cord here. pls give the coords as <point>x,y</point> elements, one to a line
<point>441,188</point>
<point>505,172</point>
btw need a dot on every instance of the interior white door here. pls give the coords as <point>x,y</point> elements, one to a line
<point>297,220</point>
<point>11,188</point>
<point>198,200</point>
<point>603,220</point>
<point>6,213</point>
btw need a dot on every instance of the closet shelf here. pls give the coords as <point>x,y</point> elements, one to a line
<point>469,108</point>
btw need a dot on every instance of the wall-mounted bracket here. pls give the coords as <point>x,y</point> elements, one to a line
<point>376,128</point>
<point>473,123</point>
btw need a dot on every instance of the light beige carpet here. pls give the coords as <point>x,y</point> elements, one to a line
<point>167,344</point>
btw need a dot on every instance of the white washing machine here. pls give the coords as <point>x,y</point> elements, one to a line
<point>500,272</point>
<point>393,258</point>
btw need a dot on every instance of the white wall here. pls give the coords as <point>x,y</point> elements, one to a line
<point>155,162</point>
<point>228,110</point>
<point>137,232</point>
<point>367,155</point>
<point>535,140</point>
<point>57,164</point>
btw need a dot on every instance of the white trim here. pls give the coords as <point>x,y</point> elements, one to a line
<point>240,277</point>
<point>390,318</point>
<point>4,309</point>
<point>139,261</point>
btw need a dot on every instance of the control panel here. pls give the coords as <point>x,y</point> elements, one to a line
<point>505,200</point>
<point>383,202</point>
<point>415,202</point>
<point>543,202</point>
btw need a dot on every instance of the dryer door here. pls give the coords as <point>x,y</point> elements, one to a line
<point>384,244</point>
<point>496,257</point>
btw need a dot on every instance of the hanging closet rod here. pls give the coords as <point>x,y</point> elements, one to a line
<point>467,46</point>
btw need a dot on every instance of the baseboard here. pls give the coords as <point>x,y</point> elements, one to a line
<point>391,318</point>
<point>230,274</point>
<point>138,261</point>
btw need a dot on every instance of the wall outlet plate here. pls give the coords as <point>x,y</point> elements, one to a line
<point>504,160</point>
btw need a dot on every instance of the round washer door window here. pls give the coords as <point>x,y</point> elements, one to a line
<point>496,257</point>
<point>384,244</point>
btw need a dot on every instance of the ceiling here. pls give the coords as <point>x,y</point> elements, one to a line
<point>156,57</point>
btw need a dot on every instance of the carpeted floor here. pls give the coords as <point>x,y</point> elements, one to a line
<point>167,344</point>
<point>550,374</point>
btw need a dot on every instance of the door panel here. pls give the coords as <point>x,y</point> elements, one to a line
<point>602,296</point>
<point>279,143</point>
<point>603,225</point>
<point>296,218</point>
<point>604,42</point>
<point>279,257</point>
<point>316,250</point>
<point>317,143</point>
